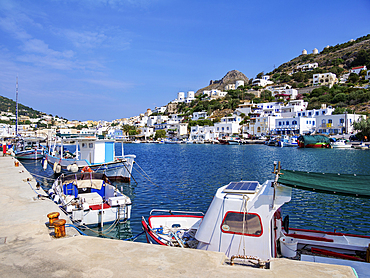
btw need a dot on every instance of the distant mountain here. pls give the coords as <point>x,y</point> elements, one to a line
<point>8,105</point>
<point>230,78</point>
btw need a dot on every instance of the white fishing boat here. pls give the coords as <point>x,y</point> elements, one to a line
<point>28,148</point>
<point>90,154</point>
<point>244,221</point>
<point>90,199</point>
<point>341,143</point>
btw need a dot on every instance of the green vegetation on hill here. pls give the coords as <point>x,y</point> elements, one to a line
<point>339,96</point>
<point>8,105</point>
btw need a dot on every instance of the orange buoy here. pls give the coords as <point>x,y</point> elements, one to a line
<point>52,217</point>
<point>86,169</point>
<point>59,228</point>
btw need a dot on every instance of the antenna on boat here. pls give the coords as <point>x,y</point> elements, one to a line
<point>16,108</point>
<point>277,168</point>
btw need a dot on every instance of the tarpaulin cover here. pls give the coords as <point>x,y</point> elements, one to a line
<point>342,184</point>
<point>313,139</point>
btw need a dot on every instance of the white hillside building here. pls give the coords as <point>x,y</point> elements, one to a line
<point>214,93</point>
<point>263,82</point>
<point>324,79</point>
<point>190,96</point>
<point>199,115</point>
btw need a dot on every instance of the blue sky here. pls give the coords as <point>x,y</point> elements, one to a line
<point>110,59</point>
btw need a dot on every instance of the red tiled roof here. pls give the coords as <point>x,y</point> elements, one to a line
<point>359,67</point>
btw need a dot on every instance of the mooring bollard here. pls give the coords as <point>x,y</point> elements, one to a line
<point>16,163</point>
<point>52,217</point>
<point>59,228</point>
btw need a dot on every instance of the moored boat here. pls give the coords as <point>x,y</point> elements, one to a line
<point>313,141</point>
<point>91,154</point>
<point>90,199</point>
<point>28,148</point>
<point>341,143</point>
<point>244,221</point>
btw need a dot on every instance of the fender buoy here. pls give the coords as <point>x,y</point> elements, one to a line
<point>86,169</point>
<point>45,164</point>
<point>74,168</point>
<point>58,168</point>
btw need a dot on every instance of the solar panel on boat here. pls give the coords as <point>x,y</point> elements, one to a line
<point>242,187</point>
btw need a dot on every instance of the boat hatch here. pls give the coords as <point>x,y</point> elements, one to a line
<point>243,187</point>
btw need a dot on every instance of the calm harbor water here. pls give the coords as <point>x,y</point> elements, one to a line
<point>186,176</point>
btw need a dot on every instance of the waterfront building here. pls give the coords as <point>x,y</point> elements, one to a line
<point>146,132</point>
<point>260,125</point>
<point>337,124</point>
<point>203,133</point>
<point>295,125</point>
<point>228,126</point>
<point>173,130</point>
<point>7,130</point>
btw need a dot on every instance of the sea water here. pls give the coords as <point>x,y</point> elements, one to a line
<point>186,176</point>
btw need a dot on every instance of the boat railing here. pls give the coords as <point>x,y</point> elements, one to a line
<point>175,211</point>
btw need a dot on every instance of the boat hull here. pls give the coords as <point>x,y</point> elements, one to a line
<point>172,230</point>
<point>117,170</point>
<point>30,154</point>
<point>90,199</point>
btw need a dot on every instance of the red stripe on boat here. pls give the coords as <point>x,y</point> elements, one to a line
<point>335,254</point>
<point>97,207</point>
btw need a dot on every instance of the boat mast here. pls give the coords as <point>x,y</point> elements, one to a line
<point>16,108</point>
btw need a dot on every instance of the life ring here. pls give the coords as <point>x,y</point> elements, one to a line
<point>86,169</point>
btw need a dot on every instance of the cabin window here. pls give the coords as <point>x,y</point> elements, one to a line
<point>90,145</point>
<point>233,224</point>
<point>83,145</point>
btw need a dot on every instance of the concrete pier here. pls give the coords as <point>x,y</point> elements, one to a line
<point>27,248</point>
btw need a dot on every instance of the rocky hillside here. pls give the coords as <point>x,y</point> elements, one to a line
<point>230,78</point>
<point>343,55</point>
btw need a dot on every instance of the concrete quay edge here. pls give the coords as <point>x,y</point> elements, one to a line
<point>27,248</point>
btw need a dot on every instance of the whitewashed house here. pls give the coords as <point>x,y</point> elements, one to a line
<point>285,93</point>
<point>199,115</point>
<point>306,67</point>
<point>228,126</point>
<point>263,81</point>
<point>261,125</point>
<point>357,70</point>
<point>181,97</point>
<point>337,124</point>
<point>7,130</point>
<point>161,109</point>
<point>146,132</point>
<point>173,130</point>
<point>324,79</point>
<point>203,133</point>
<point>214,93</point>
<point>367,77</point>
<point>295,125</point>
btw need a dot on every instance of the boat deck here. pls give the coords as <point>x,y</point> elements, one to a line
<point>28,250</point>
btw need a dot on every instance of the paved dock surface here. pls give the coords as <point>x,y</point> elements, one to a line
<point>27,248</point>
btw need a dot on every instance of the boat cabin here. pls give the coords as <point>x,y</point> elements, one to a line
<point>241,220</point>
<point>96,151</point>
